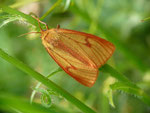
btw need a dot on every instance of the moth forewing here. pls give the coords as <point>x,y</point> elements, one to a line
<point>78,54</point>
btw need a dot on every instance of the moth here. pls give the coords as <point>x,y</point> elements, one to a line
<point>79,54</point>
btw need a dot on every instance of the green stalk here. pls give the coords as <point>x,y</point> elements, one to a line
<point>108,69</point>
<point>51,9</point>
<point>20,65</point>
<point>145,19</point>
<point>27,18</point>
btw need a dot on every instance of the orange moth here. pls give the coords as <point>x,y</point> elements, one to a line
<point>78,54</point>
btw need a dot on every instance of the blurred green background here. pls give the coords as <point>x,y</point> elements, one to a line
<point>117,21</point>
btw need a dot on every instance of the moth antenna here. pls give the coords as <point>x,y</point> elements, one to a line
<point>47,27</point>
<point>27,34</point>
<point>58,26</point>
<point>39,21</point>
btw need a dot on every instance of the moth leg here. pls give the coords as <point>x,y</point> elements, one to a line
<point>44,23</point>
<point>39,21</point>
<point>58,26</point>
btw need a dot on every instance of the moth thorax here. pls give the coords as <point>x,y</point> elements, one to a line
<point>54,42</point>
<point>51,42</point>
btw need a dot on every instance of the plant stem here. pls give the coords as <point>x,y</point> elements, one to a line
<point>27,18</point>
<point>108,69</point>
<point>51,9</point>
<point>20,65</point>
<point>145,19</point>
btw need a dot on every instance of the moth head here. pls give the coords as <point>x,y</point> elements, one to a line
<point>44,33</point>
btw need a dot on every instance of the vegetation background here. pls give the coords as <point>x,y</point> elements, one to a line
<point>117,21</point>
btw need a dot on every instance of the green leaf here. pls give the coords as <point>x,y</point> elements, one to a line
<point>26,17</point>
<point>11,18</point>
<point>110,98</point>
<point>45,97</point>
<point>131,89</point>
<point>125,85</point>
